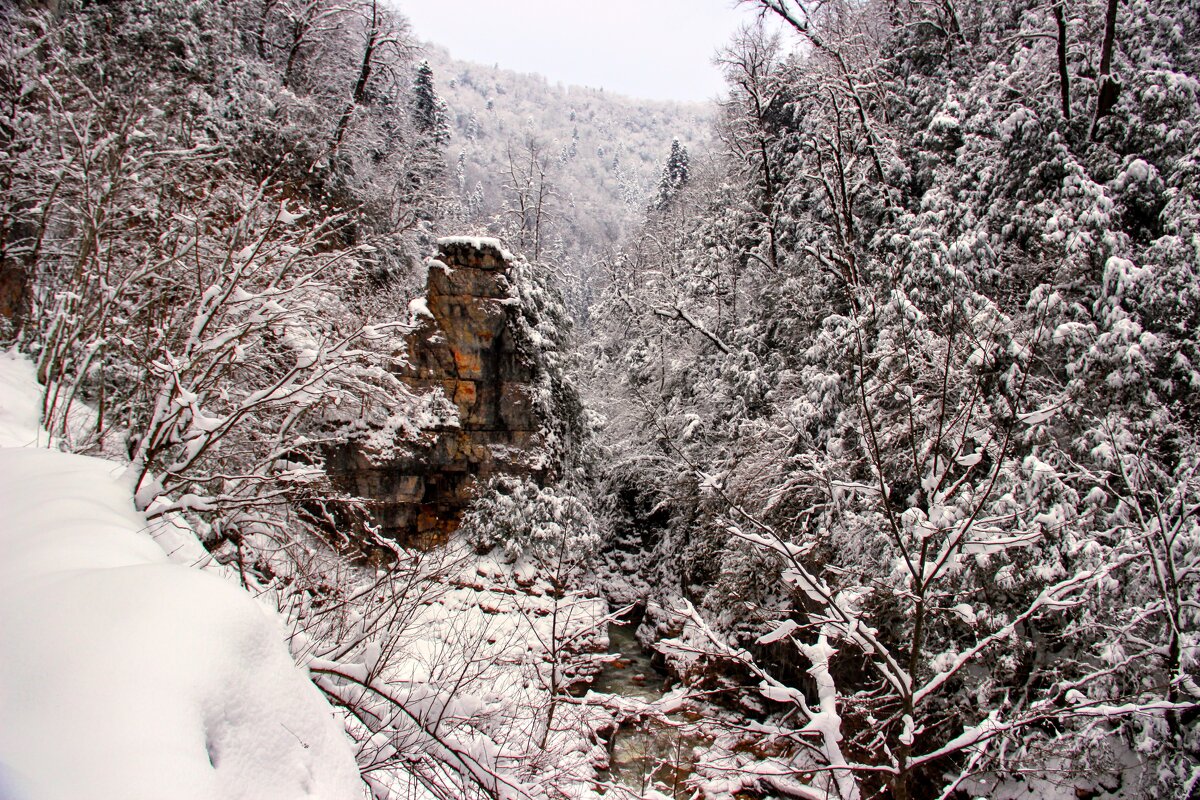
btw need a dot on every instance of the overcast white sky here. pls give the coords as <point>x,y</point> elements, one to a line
<point>658,49</point>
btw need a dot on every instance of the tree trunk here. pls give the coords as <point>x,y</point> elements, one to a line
<point>1109,87</point>
<point>364,76</point>
<point>1064,78</point>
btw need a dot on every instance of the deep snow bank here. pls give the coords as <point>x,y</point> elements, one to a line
<point>125,676</point>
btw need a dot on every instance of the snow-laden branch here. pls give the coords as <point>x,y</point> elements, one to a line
<point>678,312</point>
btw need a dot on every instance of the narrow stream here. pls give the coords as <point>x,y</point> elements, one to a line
<point>634,673</point>
<point>648,754</point>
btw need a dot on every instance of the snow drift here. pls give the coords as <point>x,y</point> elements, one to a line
<point>123,675</point>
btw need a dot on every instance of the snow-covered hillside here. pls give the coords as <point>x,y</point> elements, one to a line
<point>124,675</point>
<point>133,666</point>
<point>604,153</point>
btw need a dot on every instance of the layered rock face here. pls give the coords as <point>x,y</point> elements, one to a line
<point>468,348</point>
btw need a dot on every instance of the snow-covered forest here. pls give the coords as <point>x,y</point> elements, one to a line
<point>563,173</point>
<point>380,425</point>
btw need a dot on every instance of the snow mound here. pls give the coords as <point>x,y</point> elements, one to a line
<point>124,676</point>
<point>18,401</point>
<point>477,242</point>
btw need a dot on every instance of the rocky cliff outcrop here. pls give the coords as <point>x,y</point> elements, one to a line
<point>469,347</point>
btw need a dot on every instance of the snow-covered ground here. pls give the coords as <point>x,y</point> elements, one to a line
<point>133,664</point>
<point>467,651</point>
<point>124,675</point>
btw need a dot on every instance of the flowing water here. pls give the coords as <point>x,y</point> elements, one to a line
<point>647,754</point>
<point>634,673</point>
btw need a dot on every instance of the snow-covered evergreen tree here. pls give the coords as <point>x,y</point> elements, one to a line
<point>429,111</point>
<point>674,176</point>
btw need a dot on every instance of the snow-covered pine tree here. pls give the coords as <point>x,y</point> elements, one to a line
<point>674,176</point>
<point>429,111</point>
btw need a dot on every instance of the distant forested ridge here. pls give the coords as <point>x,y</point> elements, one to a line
<point>563,173</point>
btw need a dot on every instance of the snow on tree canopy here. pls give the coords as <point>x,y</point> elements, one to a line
<point>123,675</point>
<point>675,175</point>
<point>429,111</point>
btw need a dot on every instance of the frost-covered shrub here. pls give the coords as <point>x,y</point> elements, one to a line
<point>542,524</point>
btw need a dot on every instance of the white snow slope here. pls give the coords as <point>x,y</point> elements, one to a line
<point>124,676</point>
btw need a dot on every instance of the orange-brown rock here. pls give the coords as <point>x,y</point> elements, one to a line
<point>468,349</point>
